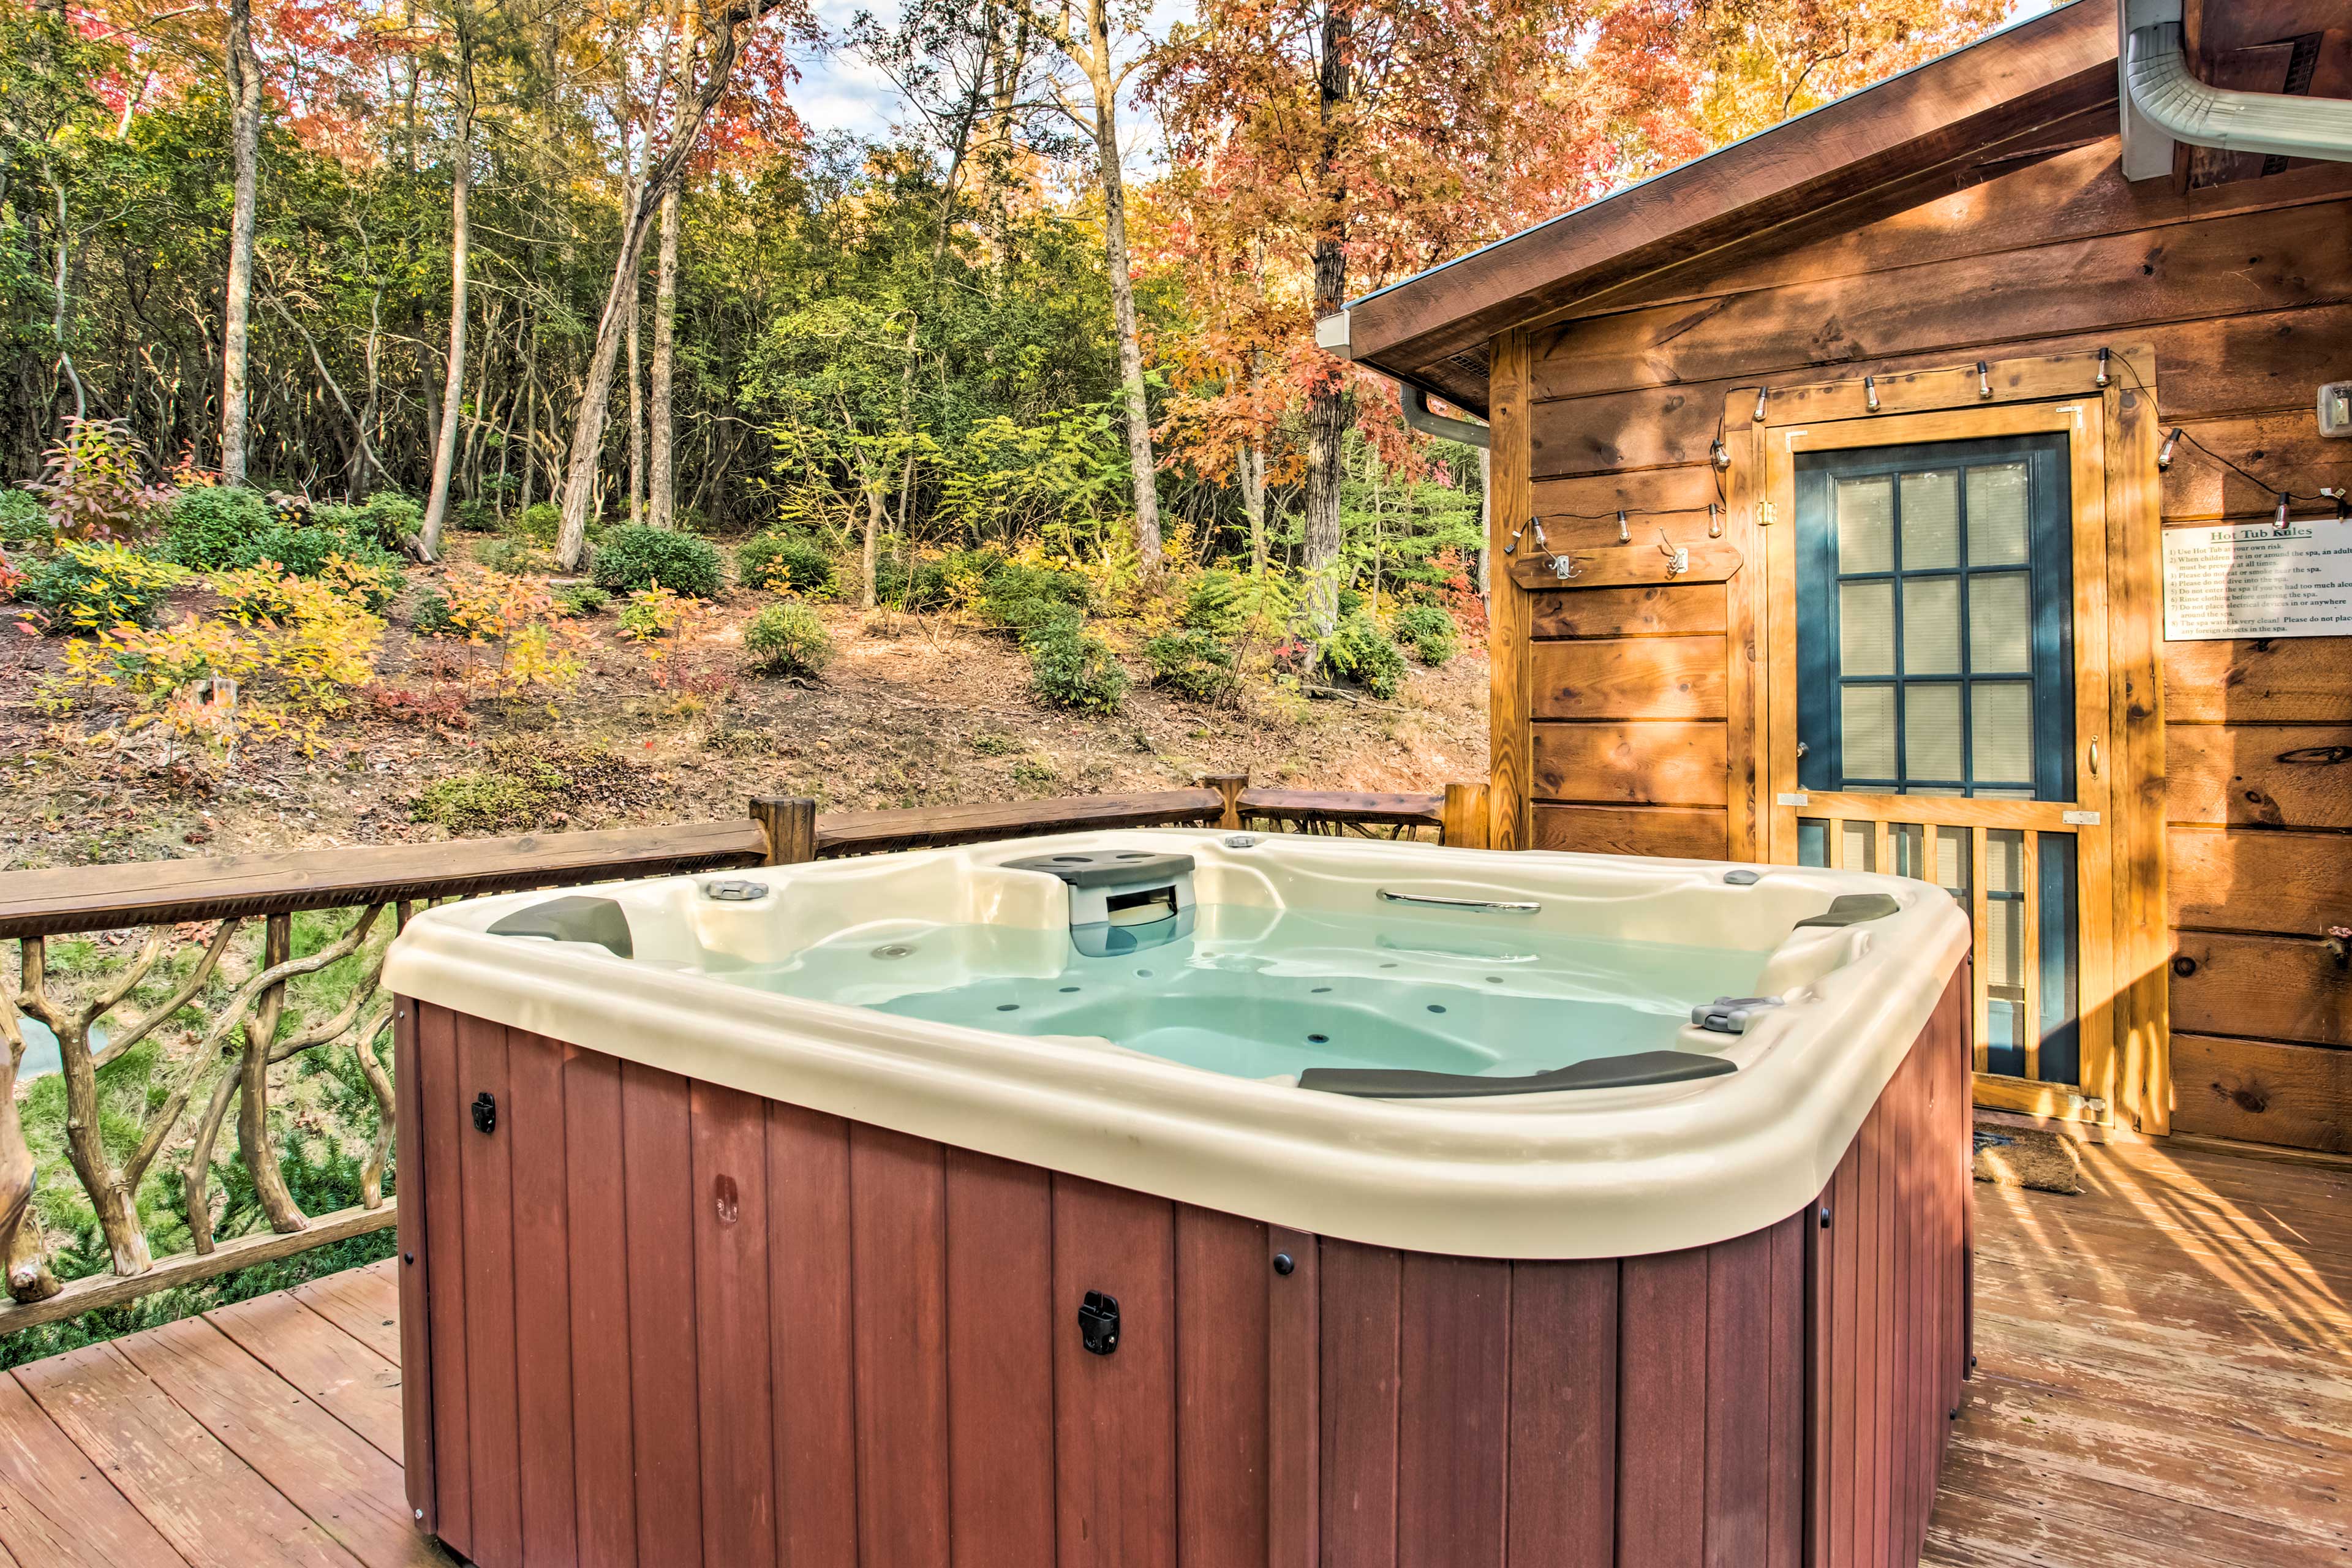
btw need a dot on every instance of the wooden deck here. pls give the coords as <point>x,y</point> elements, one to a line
<point>2165,1381</point>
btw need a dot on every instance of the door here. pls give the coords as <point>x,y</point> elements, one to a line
<point>1937,705</point>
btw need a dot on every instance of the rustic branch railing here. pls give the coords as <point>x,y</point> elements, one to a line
<point>231,922</point>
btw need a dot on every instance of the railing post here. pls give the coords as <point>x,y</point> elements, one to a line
<point>1229,785</point>
<point>1463,818</point>
<point>790,823</point>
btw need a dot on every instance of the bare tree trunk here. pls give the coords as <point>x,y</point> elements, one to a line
<point>661,483</point>
<point>1122,296</point>
<point>636,412</point>
<point>588,427</point>
<point>873,537</point>
<point>453,395</point>
<point>1252,461</point>
<point>1326,399</point>
<point>245,140</point>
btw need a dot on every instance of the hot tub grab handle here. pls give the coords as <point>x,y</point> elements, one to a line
<point>1487,906</point>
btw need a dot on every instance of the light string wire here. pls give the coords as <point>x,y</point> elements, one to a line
<point>1722,505</point>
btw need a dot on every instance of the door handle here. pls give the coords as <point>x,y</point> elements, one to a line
<point>1803,748</point>
<point>2095,757</point>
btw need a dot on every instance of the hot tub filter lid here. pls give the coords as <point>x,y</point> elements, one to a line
<point>1106,867</point>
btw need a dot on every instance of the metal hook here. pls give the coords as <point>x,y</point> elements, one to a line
<point>1677,557</point>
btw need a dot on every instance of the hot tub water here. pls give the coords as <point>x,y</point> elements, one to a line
<point>1256,992</point>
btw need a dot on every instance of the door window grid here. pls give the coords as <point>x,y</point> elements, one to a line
<point>1912,719</point>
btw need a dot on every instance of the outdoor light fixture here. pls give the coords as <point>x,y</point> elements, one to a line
<point>1984,380</point>
<point>2278,518</point>
<point>2164,454</point>
<point>1719,454</point>
<point>1760,405</point>
<point>2103,378</point>
<point>1624,533</point>
<point>1870,393</point>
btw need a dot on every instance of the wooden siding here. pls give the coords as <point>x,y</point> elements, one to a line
<point>2242,293</point>
<point>655,1322</point>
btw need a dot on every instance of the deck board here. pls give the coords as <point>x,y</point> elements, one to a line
<point>2165,1381</point>
<point>343,1377</point>
<point>363,1302</point>
<point>2165,1371</point>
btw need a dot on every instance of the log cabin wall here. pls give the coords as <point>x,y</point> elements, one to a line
<point>1620,710</point>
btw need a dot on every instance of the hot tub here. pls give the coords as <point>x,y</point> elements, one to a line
<point>1177,1197</point>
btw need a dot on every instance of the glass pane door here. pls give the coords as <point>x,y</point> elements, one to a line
<point>1934,587</point>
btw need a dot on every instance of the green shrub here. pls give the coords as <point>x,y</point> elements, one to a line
<point>1030,618</point>
<point>1193,663</point>
<point>788,639</point>
<point>303,551</point>
<point>1227,604</point>
<point>786,562</point>
<point>510,799</point>
<point>23,519</point>
<point>1428,630</point>
<point>431,617</point>
<point>583,599</point>
<point>477,516</point>
<point>1011,583</point>
<point>958,575</point>
<point>213,527</point>
<point>541,522</point>
<point>387,517</point>
<point>1071,669</point>
<point>1358,650</point>
<point>635,556</point>
<point>515,557</point>
<point>89,586</point>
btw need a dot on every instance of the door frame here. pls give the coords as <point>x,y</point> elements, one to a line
<point>2107,406</point>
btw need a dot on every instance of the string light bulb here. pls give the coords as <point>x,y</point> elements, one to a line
<point>1715,520</point>
<point>2278,518</point>
<point>2164,453</point>
<point>1870,393</point>
<point>1719,454</point>
<point>1625,528</point>
<point>1984,379</point>
<point>1760,405</point>
<point>1542,542</point>
<point>2103,379</point>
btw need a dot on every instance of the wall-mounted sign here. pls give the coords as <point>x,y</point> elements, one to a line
<point>2249,580</point>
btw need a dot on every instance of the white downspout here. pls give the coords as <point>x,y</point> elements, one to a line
<point>2164,103</point>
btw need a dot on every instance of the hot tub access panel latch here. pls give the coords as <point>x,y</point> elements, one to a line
<point>486,1113</point>
<point>1098,1324</point>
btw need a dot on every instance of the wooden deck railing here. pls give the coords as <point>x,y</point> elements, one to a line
<point>219,942</point>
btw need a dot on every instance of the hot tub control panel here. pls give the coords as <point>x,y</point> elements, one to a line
<point>1121,900</point>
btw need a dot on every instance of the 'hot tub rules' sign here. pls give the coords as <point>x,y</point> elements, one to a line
<point>2251,581</point>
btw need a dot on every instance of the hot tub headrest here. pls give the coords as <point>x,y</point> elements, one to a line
<point>1106,867</point>
<point>1633,1070</point>
<point>1852,910</point>
<point>572,918</point>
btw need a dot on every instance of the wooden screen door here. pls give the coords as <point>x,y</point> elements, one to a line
<point>1936,703</point>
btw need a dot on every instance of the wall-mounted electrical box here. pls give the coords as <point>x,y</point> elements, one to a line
<point>2336,408</point>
